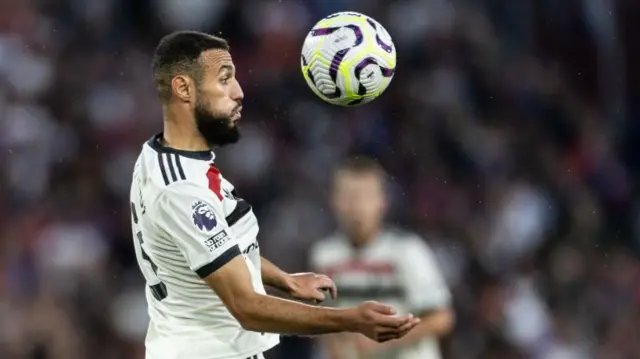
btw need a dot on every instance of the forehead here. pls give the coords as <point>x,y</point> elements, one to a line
<point>359,179</point>
<point>214,60</point>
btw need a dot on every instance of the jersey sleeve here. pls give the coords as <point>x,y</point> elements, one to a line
<point>425,287</point>
<point>193,218</point>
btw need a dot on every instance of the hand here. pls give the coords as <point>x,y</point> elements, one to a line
<point>380,323</point>
<point>311,286</point>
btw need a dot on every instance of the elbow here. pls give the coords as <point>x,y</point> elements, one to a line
<point>248,323</point>
<point>245,311</point>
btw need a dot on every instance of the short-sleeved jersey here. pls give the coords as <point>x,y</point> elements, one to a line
<point>188,221</point>
<point>397,268</point>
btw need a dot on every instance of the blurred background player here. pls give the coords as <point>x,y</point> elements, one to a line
<point>370,261</point>
<point>511,127</point>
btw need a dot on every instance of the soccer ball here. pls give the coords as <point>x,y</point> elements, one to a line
<point>348,59</point>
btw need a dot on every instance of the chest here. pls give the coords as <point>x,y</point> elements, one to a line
<point>241,221</point>
<point>237,212</point>
<point>371,273</point>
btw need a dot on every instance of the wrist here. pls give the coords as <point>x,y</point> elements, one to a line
<point>284,281</point>
<point>347,319</point>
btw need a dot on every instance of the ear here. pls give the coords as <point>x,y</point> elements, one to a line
<point>181,86</point>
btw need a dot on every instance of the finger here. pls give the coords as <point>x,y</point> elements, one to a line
<point>333,290</point>
<point>327,284</point>
<point>402,334</point>
<point>409,325</point>
<point>386,334</point>
<point>393,322</point>
<point>389,322</point>
<point>403,330</point>
<point>387,331</point>
<point>318,296</point>
<point>383,309</point>
<point>386,337</point>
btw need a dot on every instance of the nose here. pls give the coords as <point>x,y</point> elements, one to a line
<point>236,93</point>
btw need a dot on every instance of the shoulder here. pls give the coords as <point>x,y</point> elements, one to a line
<point>186,192</point>
<point>332,242</point>
<point>327,250</point>
<point>185,204</point>
<point>406,241</point>
<point>159,168</point>
<point>172,169</point>
<point>167,166</point>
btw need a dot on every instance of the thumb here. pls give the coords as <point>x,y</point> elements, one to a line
<point>383,309</point>
<point>318,295</point>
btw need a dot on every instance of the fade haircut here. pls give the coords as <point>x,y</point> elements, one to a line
<point>362,165</point>
<point>179,54</point>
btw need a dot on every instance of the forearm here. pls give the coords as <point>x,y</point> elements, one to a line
<point>265,313</point>
<point>273,276</point>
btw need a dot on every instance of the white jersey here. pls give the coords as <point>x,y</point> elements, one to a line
<point>397,268</point>
<point>188,221</point>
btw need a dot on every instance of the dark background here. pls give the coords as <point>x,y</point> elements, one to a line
<point>510,132</point>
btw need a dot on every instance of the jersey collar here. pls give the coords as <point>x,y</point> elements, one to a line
<point>154,142</point>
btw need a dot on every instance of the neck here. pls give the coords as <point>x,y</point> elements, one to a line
<point>180,134</point>
<point>361,239</point>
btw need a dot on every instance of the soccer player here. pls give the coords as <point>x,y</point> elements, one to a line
<point>196,238</point>
<point>368,261</point>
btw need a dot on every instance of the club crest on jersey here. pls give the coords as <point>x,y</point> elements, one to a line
<point>203,216</point>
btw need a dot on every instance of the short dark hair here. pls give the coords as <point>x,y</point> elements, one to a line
<point>362,165</point>
<point>179,53</point>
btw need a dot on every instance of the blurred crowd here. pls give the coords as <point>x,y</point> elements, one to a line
<point>509,132</point>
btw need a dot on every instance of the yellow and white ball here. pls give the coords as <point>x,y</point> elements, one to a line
<point>348,59</point>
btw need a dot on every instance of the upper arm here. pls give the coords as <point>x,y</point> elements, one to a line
<point>232,283</point>
<point>425,287</point>
<point>195,222</point>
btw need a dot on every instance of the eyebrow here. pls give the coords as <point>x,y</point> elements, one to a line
<point>224,68</point>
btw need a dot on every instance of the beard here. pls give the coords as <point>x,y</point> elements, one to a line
<point>216,129</point>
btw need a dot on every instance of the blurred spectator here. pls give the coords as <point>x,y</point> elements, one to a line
<point>510,132</point>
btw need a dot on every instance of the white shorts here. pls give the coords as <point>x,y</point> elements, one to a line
<point>257,356</point>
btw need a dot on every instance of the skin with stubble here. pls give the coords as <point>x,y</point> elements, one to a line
<point>359,204</point>
<point>219,100</point>
<point>215,104</point>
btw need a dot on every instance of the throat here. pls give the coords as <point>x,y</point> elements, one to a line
<point>360,241</point>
